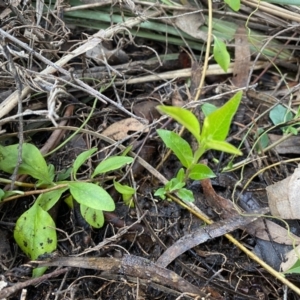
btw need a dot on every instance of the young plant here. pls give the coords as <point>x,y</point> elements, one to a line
<point>127,193</point>
<point>211,137</point>
<point>35,229</point>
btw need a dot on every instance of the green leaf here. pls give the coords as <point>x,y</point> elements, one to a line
<point>216,125</point>
<point>221,54</point>
<point>93,216</point>
<point>123,189</point>
<point>91,195</point>
<point>208,108</point>
<point>295,269</point>
<point>186,195</point>
<point>233,4</point>
<point>33,163</point>
<point>81,158</point>
<point>127,193</point>
<point>280,114</point>
<point>223,146</point>
<point>180,175</point>
<point>291,129</point>
<point>47,200</point>
<point>35,232</point>
<point>178,145</point>
<point>112,163</point>
<point>200,171</point>
<point>64,174</point>
<point>160,193</point>
<point>174,184</point>
<point>184,117</point>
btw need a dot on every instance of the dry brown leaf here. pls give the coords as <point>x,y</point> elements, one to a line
<point>291,258</point>
<point>99,53</point>
<point>283,197</point>
<point>291,145</point>
<point>258,229</point>
<point>275,232</point>
<point>242,58</point>
<point>190,23</point>
<point>119,130</point>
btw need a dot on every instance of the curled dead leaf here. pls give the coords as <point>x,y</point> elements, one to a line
<point>283,197</point>
<point>119,130</point>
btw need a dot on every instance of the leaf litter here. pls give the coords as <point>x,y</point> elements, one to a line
<point>135,54</point>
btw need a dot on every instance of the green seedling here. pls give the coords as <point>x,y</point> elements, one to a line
<point>35,229</point>
<point>211,136</point>
<point>127,193</point>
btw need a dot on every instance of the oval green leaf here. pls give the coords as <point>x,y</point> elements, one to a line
<point>186,195</point>
<point>33,163</point>
<point>178,145</point>
<point>91,195</point>
<point>112,163</point>
<point>280,114</point>
<point>93,216</point>
<point>201,171</point>
<point>35,232</point>
<point>221,54</point>
<point>184,117</point>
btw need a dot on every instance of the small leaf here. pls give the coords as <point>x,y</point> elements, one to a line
<point>160,193</point>
<point>291,129</point>
<point>295,269</point>
<point>33,163</point>
<point>223,146</point>
<point>216,125</point>
<point>178,145</point>
<point>127,192</point>
<point>47,200</point>
<point>123,189</point>
<point>81,158</point>
<point>200,171</point>
<point>280,114</point>
<point>93,216</point>
<point>64,174</point>
<point>112,163</point>
<point>186,195</point>
<point>184,117</point>
<point>180,175</point>
<point>208,108</point>
<point>233,4</point>
<point>175,184</point>
<point>221,54</point>
<point>35,232</point>
<point>91,195</point>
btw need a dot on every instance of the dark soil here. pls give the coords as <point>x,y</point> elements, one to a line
<point>133,238</point>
